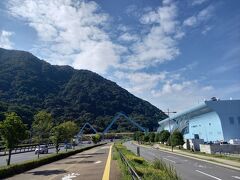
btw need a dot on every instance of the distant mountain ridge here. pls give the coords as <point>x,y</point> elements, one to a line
<point>28,84</point>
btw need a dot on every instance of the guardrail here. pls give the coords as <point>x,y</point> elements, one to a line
<point>131,170</point>
<point>23,149</point>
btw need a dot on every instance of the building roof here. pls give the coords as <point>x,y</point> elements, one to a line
<point>194,111</point>
<point>205,107</point>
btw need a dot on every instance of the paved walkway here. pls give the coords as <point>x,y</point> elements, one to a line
<point>90,165</point>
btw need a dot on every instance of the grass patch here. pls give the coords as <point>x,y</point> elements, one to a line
<point>158,170</point>
<point>7,171</point>
<point>124,171</point>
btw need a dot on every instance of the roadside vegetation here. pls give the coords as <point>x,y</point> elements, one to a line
<point>158,170</point>
<point>164,137</point>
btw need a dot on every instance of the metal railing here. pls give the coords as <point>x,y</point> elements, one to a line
<point>23,149</point>
<point>131,170</point>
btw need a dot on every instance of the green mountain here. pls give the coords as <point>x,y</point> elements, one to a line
<point>28,84</point>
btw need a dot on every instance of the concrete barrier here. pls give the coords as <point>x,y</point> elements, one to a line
<point>220,148</point>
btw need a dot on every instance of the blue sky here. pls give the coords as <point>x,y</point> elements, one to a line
<point>171,53</point>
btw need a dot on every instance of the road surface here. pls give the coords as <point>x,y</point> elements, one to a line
<point>17,158</point>
<point>88,165</point>
<point>187,168</point>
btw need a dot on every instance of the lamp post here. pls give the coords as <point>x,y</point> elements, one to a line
<point>170,131</point>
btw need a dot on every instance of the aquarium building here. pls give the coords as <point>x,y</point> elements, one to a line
<point>214,120</point>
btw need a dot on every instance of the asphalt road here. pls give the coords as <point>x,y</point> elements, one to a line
<point>17,158</point>
<point>88,165</point>
<point>187,168</point>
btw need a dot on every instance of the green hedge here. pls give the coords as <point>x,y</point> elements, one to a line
<point>14,169</point>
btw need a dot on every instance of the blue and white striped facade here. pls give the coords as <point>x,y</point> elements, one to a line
<point>212,121</point>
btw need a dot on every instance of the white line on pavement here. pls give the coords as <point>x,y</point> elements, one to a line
<point>97,162</point>
<point>208,175</point>
<point>105,147</point>
<point>170,160</point>
<point>70,176</point>
<point>236,177</point>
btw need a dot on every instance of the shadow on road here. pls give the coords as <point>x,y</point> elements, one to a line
<point>95,153</point>
<point>47,172</point>
<point>75,157</point>
<point>76,162</point>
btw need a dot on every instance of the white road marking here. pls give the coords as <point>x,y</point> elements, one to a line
<point>214,177</point>
<point>70,176</point>
<point>105,147</point>
<point>236,177</point>
<point>170,160</point>
<point>97,162</point>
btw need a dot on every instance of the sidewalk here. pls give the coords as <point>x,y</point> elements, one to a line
<point>213,160</point>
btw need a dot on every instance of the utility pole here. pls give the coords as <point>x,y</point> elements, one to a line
<point>170,131</point>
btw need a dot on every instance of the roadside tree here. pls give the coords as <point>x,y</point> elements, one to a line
<point>157,137</point>
<point>151,136</point>
<point>146,137</point>
<point>41,126</point>
<point>70,129</point>
<point>176,139</point>
<point>57,136</point>
<point>13,131</point>
<point>164,135</point>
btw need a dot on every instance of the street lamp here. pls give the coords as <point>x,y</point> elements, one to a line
<point>170,131</point>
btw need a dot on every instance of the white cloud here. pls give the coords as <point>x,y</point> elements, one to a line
<point>140,82</point>
<point>128,37</point>
<point>5,41</point>
<point>73,30</point>
<point>132,10</point>
<point>206,13</point>
<point>191,21</point>
<point>198,2</point>
<point>201,16</point>
<point>159,44</point>
<point>165,89</point>
<point>206,29</point>
<point>172,88</point>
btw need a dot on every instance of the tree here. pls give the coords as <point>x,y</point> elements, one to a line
<point>146,137</point>
<point>157,137</point>
<point>176,139</point>
<point>137,136</point>
<point>13,131</point>
<point>57,136</point>
<point>70,129</point>
<point>42,126</point>
<point>151,136</point>
<point>164,135</point>
<point>96,138</point>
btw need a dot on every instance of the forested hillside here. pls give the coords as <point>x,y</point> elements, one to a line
<point>28,84</point>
